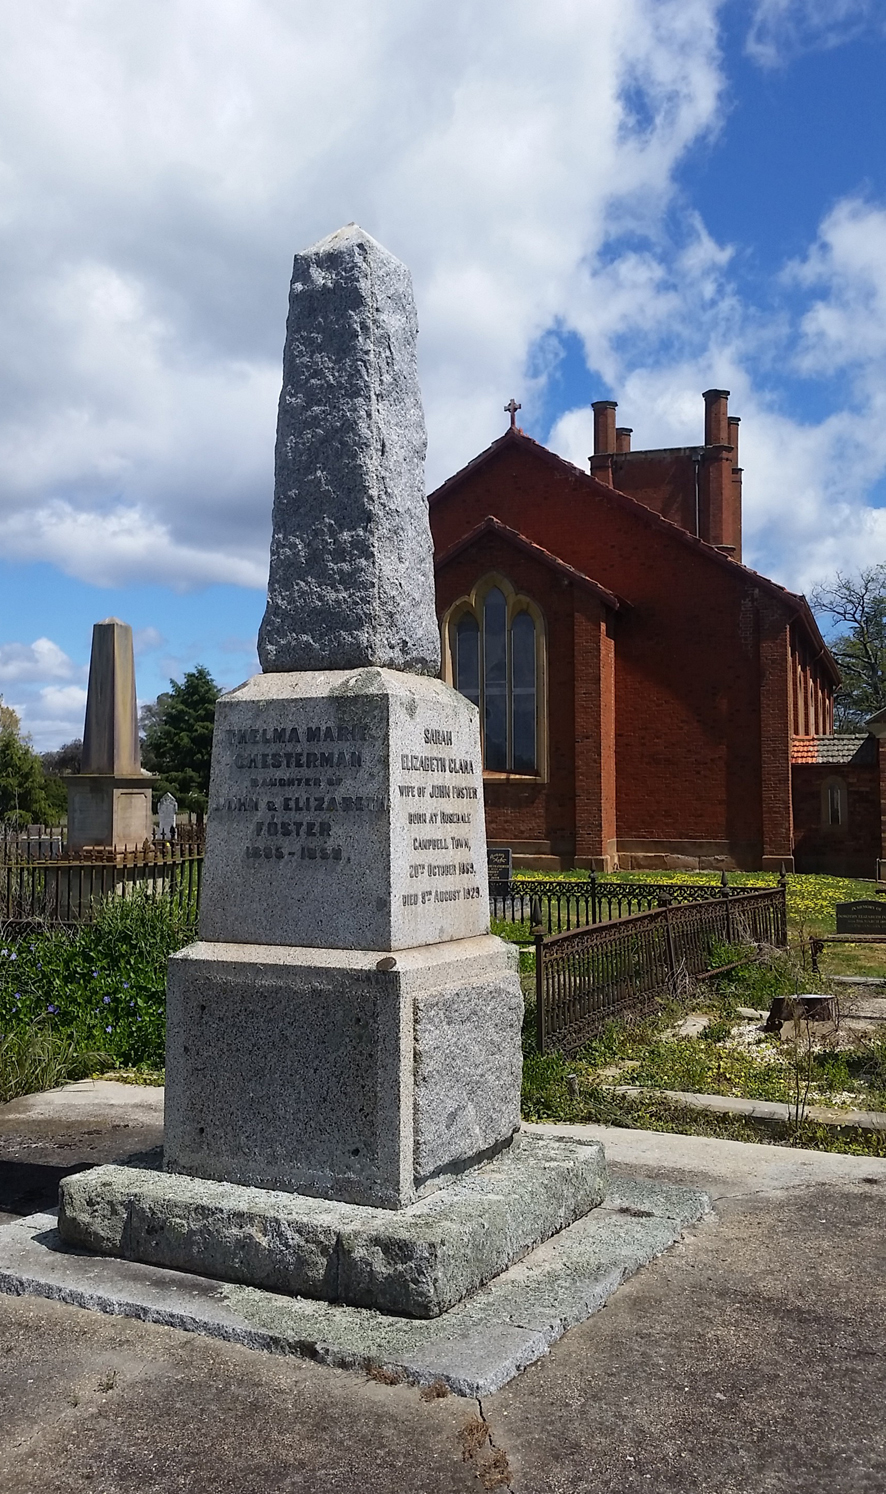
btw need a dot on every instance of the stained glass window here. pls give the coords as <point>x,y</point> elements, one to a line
<point>496,666</point>
<point>523,730</point>
<point>467,657</point>
<point>495,681</point>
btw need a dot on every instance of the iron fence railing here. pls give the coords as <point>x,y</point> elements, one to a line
<point>66,889</point>
<point>623,967</point>
<point>565,904</point>
<point>50,843</point>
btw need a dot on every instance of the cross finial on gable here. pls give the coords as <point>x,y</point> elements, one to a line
<point>511,409</point>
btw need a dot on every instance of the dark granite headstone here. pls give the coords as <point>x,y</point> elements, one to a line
<point>865,916</point>
<point>499,861</point>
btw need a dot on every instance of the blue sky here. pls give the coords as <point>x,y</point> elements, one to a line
<point>635,199</point>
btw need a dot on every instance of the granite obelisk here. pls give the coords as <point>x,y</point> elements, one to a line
<point>346,812</point>
<point>343,1042</point>
<point>351,580</point>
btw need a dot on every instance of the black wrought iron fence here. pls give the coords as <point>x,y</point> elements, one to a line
<point>66,889</point>
<point>623,967</point>
<point>50,843</point>
<point>565,904</point>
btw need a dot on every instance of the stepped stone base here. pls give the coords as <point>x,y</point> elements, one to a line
<point>417,1262</point>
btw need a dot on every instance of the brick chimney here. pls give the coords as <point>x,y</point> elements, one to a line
<point>604,426</point>
<point>734,422</point>
<point>721,510</point>
<point>623,434</point>
<point>716,417</point>
<point>604,439</point>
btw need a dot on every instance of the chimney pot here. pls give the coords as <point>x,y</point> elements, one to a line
<point>716,417</point>
<point>623,435</point>
<point>734,422</point>
<point>604,426</point>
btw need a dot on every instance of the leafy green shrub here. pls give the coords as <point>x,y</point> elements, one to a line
<point>103,984</point>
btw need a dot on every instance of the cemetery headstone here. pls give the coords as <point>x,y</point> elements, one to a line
<point>167,810</point>
<point>499,864</point>
<point>109,800</point>
<point>863,916</point>
<point>346,1033</point>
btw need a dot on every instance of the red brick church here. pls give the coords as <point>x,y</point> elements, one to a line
<point>644,697</point>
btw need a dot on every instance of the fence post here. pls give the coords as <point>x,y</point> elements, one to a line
<point>783,907</point>
<point>539,939</point>
<point>593,881</point>
<point>724,883</point>
<point>669,941</point>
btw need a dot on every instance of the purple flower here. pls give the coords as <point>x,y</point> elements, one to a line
<point>126,985</point>
<point>132,1003</point>
<point>106,1000</point>
<point>52,1009</point>
<point>107,1029</point>
<point>95,973</point>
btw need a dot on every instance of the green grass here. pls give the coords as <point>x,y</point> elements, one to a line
<point>36,1057</point>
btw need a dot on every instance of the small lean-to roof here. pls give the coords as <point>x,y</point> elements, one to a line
<point>520,442</point>
<point>491,525</point>
<point>836,750</point>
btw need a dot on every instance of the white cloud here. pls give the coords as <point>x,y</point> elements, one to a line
<point>780,29</point>
<point>146,641</point>
<point>39,660</point>
<point>807,483</point>
<point>158,175</point>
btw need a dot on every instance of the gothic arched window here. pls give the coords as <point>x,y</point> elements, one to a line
<point>495,657</point>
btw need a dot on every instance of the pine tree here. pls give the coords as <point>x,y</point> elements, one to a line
<point>177,742</point>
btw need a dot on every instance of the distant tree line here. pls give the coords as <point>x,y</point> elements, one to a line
<point>30,792</point>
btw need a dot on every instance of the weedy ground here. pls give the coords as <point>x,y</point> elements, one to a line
<point>731,1056</point>
<point>90,999</point>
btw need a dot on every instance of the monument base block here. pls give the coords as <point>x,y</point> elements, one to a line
<point>356,1075</point>
<point>417,1262</point>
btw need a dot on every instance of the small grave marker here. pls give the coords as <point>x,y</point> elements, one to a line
<point>864,916</point>
<point>499,861</point>
<point>166,813</point>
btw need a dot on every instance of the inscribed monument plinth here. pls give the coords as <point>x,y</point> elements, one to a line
<point>109,800</point>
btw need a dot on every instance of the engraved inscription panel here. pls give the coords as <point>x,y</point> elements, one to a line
<point>437,825</point>
<point>345,819</point>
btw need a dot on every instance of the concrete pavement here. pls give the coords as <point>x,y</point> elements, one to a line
<point>748,1358</point>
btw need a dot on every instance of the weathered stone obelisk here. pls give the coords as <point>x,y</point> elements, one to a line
<point>346,811</point>
<point>343,1044</point>
<point>109,800</point>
